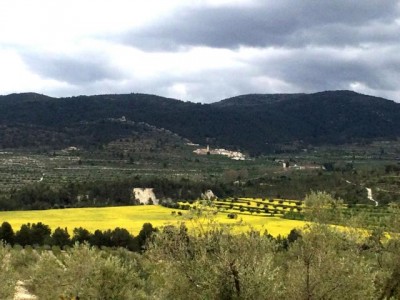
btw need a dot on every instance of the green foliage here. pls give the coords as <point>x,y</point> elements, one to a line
<point>39,234</point>
<point>7,233</point>
<point>8,276</point>
<point>216,265</point>
<point>324,264</point>
<point>84,272</point>
<point>80,235</point>
<point>232,216</point>
<point>144,235</point>
<point>61,237</point>
<point>322,207</point>
<point>33,234</point>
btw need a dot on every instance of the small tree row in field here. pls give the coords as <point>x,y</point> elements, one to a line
<point>39,234</point>
<point>273,209</point>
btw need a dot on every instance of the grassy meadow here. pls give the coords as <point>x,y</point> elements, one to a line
<point>133,217</point>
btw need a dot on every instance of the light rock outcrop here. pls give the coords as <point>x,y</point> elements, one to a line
<point>208,195</point>
<point>144,195</point>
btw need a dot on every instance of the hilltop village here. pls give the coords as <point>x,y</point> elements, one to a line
<point>235,155</point>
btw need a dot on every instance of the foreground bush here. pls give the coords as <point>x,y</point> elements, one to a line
<point>216,265</point>
<point>85,272</point>
<point>8,276</point>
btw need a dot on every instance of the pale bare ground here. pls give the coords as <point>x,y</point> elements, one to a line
<point>21,293</point>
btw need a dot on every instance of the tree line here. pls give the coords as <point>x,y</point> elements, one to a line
<point>105,193</point>
<point>39,234</point>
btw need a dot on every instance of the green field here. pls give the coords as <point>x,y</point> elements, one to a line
<point>133,217</point>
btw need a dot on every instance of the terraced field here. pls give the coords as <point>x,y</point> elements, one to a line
<point>19,169</point>
<point>254,206</point>
<point>133,217</point>
<point>266,207</point>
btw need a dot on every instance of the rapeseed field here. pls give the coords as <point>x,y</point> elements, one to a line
<point>133,217</point>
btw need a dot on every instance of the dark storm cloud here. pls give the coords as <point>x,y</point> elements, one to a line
<point>315,69</point>
<point>78,69</point>
<point>316,45</point>
<point>272,23</point>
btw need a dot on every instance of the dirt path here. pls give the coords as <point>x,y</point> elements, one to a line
<point>21,293</point>
<point>369,191</point>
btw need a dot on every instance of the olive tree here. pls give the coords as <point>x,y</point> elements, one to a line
<point>321,207</point>
<point>8,277</point>
<point>213,264</point>
<point>325,264</point>
<point>85,272</point>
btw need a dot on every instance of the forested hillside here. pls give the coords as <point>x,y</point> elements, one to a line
<point>254,123</point>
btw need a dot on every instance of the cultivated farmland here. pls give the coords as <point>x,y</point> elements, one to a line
<point>133,217</point>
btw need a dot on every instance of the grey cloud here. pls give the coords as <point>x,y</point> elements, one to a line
<point>342,35</point>
<point>313,44</point>
<point>324,69</point>
<point>209,85</point>
<point>206,87</point>
<point>294,70</point>
<point>318,39</point>
<point>72,69</point>
<point>270,23</point>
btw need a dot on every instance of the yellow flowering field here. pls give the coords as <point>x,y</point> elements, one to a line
<point>133,217</point>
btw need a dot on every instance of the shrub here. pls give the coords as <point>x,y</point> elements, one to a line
<point>232,216</point>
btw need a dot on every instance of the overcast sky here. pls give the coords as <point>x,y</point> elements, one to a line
<point>201,51</point>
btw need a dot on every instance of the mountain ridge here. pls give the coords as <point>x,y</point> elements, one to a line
<point>252,122</point>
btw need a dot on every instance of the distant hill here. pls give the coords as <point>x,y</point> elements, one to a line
<point>254,123</point>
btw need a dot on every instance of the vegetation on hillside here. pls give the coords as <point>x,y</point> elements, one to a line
<point>255,123</point>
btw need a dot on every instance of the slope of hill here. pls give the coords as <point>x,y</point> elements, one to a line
<point>255,100</point>
<point>325,117</point>
<point>249,122</point>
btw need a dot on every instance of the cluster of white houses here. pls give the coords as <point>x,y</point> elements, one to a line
<point>236,155</point>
